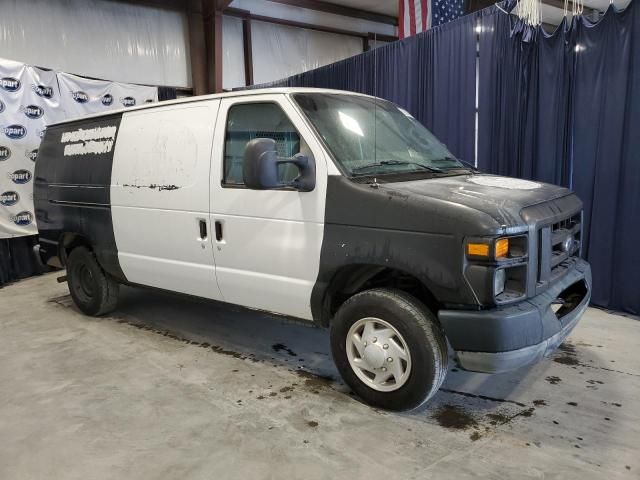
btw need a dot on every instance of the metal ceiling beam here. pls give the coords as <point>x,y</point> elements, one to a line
<point>236,12</point>
<point>329,7</point>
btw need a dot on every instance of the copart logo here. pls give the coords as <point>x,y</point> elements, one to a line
<point>41,133</point>
<point>128,101</point>
<point>5,153</point>
<point>43,91</point>
<point>31,154</point>
<point>8,199</point>
<point>80,96</point>
<point>22,219</point>
<point>15,131</point>
<point>33,111</point>
<point>20,176</point>
<point>107,99</point>
<point>10,84</point>
<point>1,106</point>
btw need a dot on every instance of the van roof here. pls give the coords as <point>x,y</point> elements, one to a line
<point>199,98</point>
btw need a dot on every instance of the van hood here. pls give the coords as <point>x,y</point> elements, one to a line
<point>502,198</point>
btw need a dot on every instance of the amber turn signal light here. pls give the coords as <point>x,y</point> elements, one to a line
<point>478,249</point>
<point>502,248</point>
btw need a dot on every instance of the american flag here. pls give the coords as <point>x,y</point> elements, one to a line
<point>416,16</point>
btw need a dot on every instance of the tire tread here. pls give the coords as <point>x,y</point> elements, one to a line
<point>109,288</point>
<point>426,321</point>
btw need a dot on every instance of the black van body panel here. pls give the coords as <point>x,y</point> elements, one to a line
<point>419,227</point>
<point>72,192</point>
<point>376,224</point>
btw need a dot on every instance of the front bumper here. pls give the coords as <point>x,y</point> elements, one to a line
<point>511,337</point>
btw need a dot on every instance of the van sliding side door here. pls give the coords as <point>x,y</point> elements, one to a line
<point>160,197</point>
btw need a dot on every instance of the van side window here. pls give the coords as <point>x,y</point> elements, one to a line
<point>258,120</point>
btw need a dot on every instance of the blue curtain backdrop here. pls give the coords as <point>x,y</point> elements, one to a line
<point>524,99</point>
<point>562,108</point>
<point>605,132</point>
<point>431,75</point>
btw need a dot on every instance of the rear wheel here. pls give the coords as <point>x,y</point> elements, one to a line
<point>389,349</point>
<point>92,290</point>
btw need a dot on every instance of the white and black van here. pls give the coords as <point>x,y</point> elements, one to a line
<point>332,207</point>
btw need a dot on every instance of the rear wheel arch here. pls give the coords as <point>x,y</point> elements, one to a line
<point>68,242</point>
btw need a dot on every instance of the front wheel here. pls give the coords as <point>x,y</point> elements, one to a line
<point>92,290</point>
<point>389,349</point>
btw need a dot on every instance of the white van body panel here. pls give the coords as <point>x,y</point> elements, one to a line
<point>269,255</point>
<point>159,195</point>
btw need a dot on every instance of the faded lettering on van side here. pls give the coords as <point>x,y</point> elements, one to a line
<point>92,141</point>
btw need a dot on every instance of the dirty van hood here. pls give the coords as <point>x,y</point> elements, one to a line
<point>502,198</point>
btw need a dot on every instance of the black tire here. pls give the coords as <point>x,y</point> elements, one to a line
<point>417,325</point>
<point>92,290</point>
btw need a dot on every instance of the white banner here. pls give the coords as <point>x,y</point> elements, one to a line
<point>81,96</point>
<point>30,99</point>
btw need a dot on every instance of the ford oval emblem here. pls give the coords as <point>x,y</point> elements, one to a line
<point>80,97</point>
<point>33,111</point>
<point>20,176</point>
<point>8,199</point>
<point>10,84</point>
<point>22,219</point>
<point>15,131</point>
<point>5,153</point>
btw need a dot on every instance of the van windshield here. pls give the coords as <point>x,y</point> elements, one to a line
<point>374,137</point>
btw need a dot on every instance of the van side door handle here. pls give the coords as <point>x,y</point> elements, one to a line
<point>218,226</point>
<point>203,230</point>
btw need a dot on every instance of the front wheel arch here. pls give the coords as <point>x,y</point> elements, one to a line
<point>352,279</point>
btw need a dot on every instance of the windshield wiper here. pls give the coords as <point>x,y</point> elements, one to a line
<point>469,166</point>
<point>384,163</point>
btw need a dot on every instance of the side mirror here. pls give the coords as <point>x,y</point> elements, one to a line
<point>261,162</point>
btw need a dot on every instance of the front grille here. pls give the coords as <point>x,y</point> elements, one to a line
<point>558,242</point>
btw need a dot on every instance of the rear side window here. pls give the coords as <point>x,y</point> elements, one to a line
<point>257,120</point>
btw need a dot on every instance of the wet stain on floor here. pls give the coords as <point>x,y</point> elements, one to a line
<point>279,347</point>
<point>553,380</point>
<point>498,418</point>
<point>315,380</point>
<point>483,397</point>
<point>567,360</point>
<point>525,413</point>
<point>568,355</point>
<point>454,417</point>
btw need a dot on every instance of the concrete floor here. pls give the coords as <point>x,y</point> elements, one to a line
<point>172,387</point>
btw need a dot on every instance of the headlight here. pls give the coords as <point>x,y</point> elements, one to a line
<point>499,279</point>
